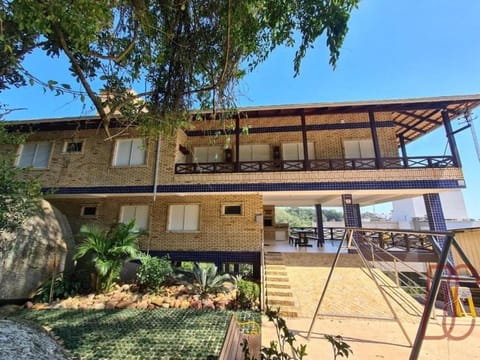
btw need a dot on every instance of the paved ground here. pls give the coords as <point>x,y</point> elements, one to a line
<point>355,309</point>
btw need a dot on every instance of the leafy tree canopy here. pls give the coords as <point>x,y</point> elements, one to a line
<point>19,194</point>
<point>185,53</point>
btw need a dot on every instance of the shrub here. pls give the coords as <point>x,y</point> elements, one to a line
<point>205,281</point>
<point>248,293</point>
<point>63,287</point>
<point>153,272</point>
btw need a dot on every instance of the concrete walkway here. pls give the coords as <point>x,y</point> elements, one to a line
<point>355,309</point>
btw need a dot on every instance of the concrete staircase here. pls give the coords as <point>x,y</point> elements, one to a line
<point>277,286</point>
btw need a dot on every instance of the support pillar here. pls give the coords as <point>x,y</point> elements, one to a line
<point>348,211</point>
<point>403,148</point>
<point>358,215</point>
<point>436,222</point>
<point>321,237</point>
<point>237,144</point>
<point>306,162</point>
<point>376,144</point>
<point>451,139</point>
<point>436,219</point>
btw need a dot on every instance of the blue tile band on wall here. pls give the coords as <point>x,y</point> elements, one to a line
<point>262,187</point>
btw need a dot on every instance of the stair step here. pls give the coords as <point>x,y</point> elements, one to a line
<point>277,279</point>
<point>280,273</point>
<point>279,293</point>
<point>277,286</point>
<point>288,313</point>
<point>279,302</point>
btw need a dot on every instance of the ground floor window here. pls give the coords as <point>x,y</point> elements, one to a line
<point>137,212</point>
<point>184,217</point>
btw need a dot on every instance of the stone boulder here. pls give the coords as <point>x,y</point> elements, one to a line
<point>28,257</point>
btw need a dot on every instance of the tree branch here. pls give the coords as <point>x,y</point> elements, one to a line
<point>83,80</point>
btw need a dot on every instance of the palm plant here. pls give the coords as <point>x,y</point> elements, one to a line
<point>108,250</point>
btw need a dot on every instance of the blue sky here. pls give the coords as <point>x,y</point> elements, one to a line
<point>394,49</point>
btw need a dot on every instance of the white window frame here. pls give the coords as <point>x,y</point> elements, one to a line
<point>232,204</point>
<point>137,209</point>
<point>299,151</point>
<point>35,153</point>
<point>213,154</point>
<point>82,211</point>
<point>253,152</point>
<point>133,146</point>
<point>365,149</point>
<point>65,147</point>
<point>185,211</point>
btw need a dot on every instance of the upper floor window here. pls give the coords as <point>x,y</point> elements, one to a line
<point>137,212</point>
<point>183,217</point>
<point>205,154</point>
<point>294,151</point>
<point>129,152</point>
<point>358,149</point>
<point>35,155</point>
<point>256,152</point>
<point>73,147</point>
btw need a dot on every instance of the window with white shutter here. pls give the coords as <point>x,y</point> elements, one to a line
<point>35,155</point>
<point>129,152</point>
<point>137,212</point>
<point>358,149</point>
<point>294,151</point>
<point>183,217</point>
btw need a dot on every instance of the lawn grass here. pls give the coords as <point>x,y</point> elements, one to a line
<point>165,334</point>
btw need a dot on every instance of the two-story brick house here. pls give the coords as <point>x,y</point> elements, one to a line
<point>207,193</point>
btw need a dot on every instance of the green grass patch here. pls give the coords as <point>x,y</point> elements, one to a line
<point>164,334</point>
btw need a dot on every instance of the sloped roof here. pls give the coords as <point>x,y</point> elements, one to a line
<point>412,117</point>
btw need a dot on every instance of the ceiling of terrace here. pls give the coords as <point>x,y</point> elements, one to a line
<point>412,117</point>
<point>331,198</point>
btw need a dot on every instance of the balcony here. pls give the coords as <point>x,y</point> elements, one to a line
<point>415,162</point>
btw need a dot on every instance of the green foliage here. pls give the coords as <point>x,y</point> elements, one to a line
<point>248,293</point>
<point>332,215</point>
<point>185,53</point>
<point>20,194</point>
<point>339,347</point>
<point>284,348</point>
<point>63,287</point>
<point>206,280</point>
<point>304,216</point>
<point>153,272</point>
<point>108,250</point>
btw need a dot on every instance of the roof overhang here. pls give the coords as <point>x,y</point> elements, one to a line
<point>412,117</point>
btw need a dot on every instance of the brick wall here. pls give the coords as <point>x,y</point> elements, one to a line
<point>93,167</point>
<point>216,233</point>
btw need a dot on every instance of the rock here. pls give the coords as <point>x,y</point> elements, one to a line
<point>196,304</point>
<point>125,287</point>
<point>157,300</point>
<point>123,304</point>
<point>165,305</point>
<point>111,304</point>
<point>99,306</point>
<point>42,245</point>
<point>184,304</point>
<point>208,304</point>
<point>142,304</point>
<point>28,305</point>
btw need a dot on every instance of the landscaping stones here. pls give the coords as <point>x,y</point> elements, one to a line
<point>127,297</point>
